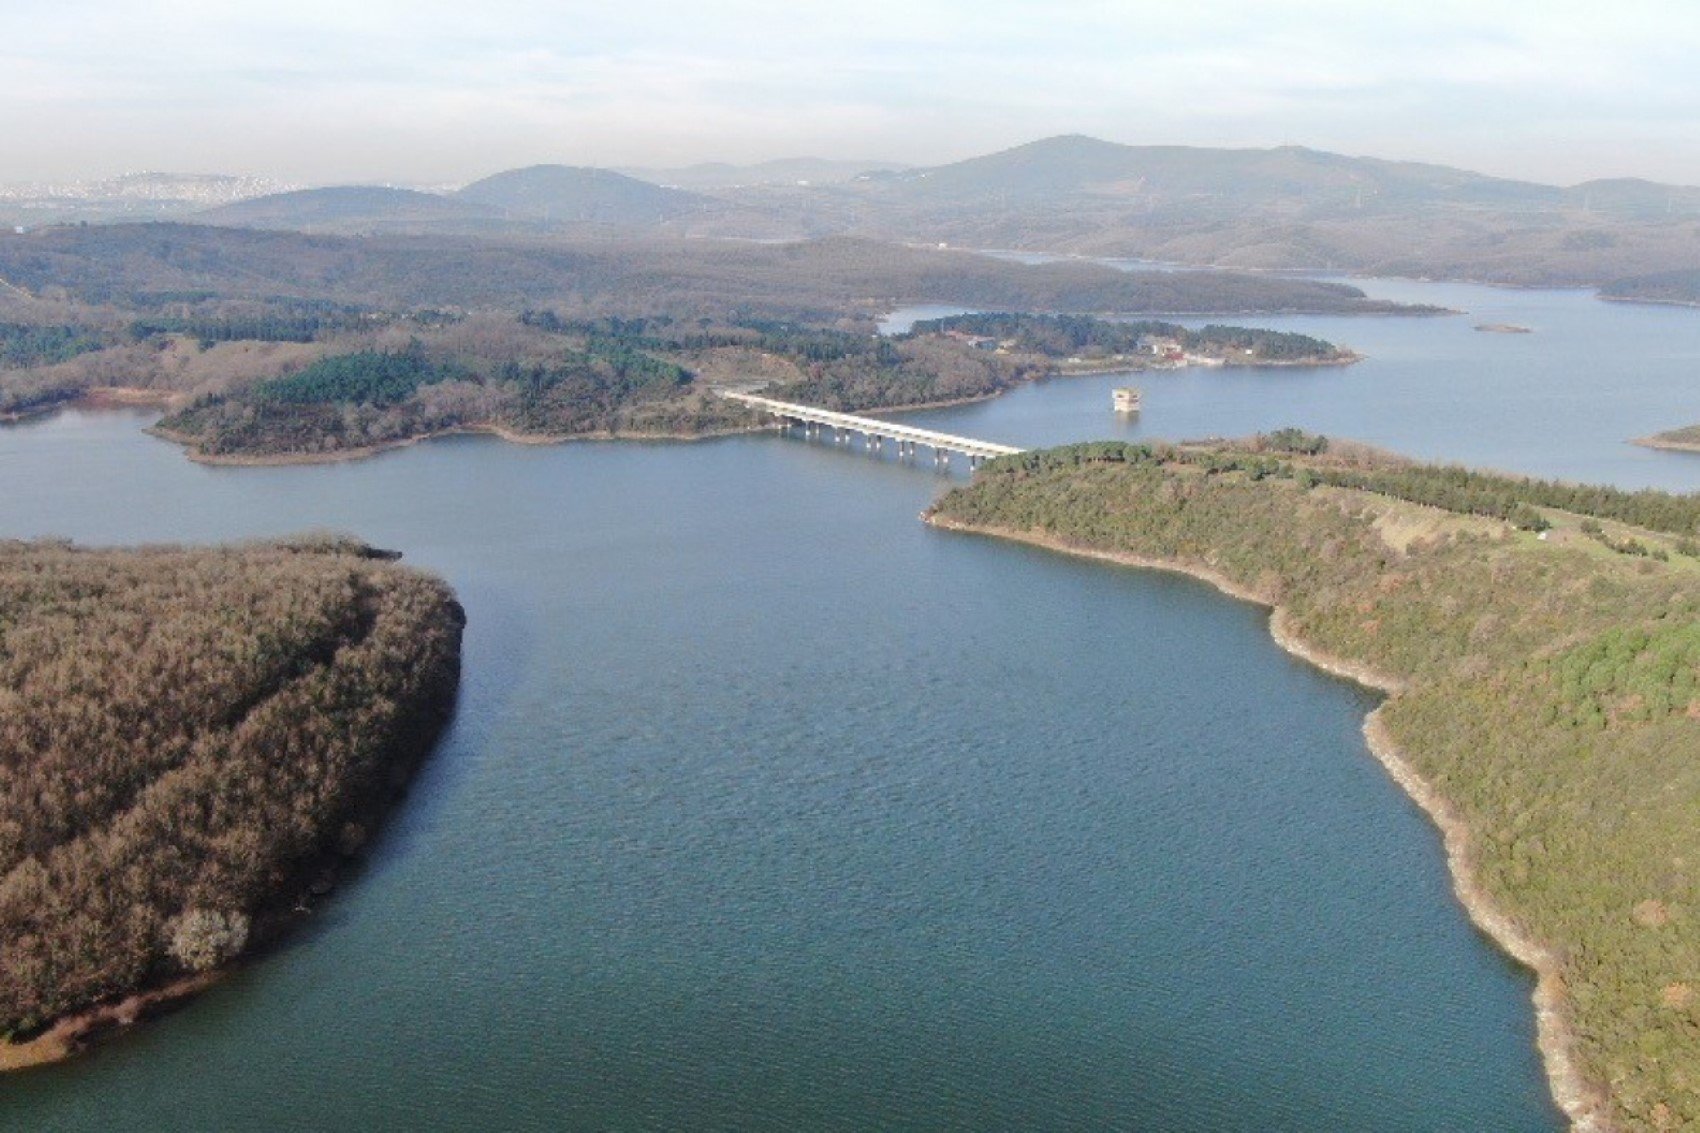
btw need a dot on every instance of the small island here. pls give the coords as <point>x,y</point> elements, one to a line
<point>1539,645</point>
<point>1504,328</point>
<point>191,743</point>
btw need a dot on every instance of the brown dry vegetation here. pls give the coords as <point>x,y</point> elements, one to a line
<point>188,739</point>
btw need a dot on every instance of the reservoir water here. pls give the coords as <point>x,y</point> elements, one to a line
<point>768,808</point>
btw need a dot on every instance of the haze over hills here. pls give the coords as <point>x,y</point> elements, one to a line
<point>712,175</point>
<point>356,209</point>
<point>1287,179</point>
<point>1088,167</point>
<point>1282,208</point>
<point>534,201</point>
<point>130,196</point>
<point>1286,208</point>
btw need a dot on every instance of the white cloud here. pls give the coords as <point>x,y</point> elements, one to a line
<point>427,89</point>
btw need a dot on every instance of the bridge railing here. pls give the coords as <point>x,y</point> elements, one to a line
<point>873,428</point>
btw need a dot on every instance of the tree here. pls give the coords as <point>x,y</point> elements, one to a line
<point>202,939</point>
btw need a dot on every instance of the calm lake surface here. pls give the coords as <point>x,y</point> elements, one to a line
<point>769,808</point>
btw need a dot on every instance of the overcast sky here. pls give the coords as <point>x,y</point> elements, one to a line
<point>423,91</point>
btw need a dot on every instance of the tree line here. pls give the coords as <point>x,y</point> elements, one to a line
<point>23,345</point>
<point>1061,336</point>
<point>1450,487</point>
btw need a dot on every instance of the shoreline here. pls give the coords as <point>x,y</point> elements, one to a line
<point>1657,442</point>
<point>127,397</point>
<point>1344,358</point>
<point>1649,301</point>
<point>96,397</point>
<point>363,452</point>
<point>69,1035</point>
<point>1581,1101</point>
<point>299,883</point>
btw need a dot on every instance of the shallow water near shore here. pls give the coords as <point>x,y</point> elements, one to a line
<point>769,808</point>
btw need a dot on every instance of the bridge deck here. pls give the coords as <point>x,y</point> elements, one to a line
<point>874,427</point>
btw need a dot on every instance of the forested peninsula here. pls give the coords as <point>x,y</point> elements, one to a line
<point>191,742</point>
<point>1539,643</point>
<point>1686,439</point>
<point>317,382</point>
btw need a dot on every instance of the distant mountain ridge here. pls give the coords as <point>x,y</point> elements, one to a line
<point>1283,208</point>
<point>351,208</point>
<point>1076,165</point>
<point>516,202</point>
<point>712,175</point>
<point>1287,208</point>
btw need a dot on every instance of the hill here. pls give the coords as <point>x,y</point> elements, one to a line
<point>1290,178</point>
<point>356,209</point>
<point>1283,208</point>
<point>564,194</point>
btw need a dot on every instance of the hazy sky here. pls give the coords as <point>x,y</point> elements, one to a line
<point>425,91</point>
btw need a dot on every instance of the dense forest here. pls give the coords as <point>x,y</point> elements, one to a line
<point>545,375</point>
<point>1519,500</point>
<point>369,399</point>
<point>22,346</point>
<point>1549,685</point>
<point>296,379</point>
<point>188,740</point>
<point>205,320</point>
<point>284,323</point>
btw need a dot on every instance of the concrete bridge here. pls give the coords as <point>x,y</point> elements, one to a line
<point>874,431</point>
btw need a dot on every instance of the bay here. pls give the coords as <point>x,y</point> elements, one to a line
<point>767,807</point>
